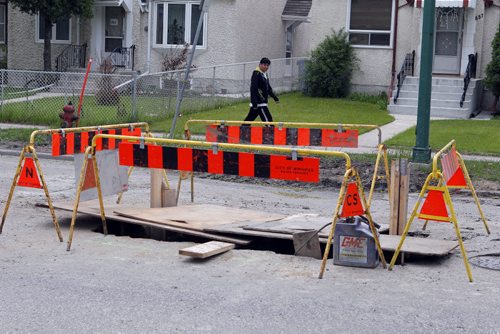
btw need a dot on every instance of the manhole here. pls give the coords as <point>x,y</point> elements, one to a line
<point>487,261</point>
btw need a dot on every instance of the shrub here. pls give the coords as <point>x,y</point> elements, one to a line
<point>329,71</point>
<point>380,99</point>
<point>492,80</point>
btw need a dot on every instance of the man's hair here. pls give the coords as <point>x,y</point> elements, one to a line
<point>265,61</point>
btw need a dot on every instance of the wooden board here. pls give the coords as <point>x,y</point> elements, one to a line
<point>299,223</point>
<point>421,246</point>
<point>92,208</point>
<point>207,249</point>
<point>412,245</point>
<point>197,217</point>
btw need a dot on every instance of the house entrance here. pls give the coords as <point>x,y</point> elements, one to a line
<point>113,37</point>
<point>448,40</point>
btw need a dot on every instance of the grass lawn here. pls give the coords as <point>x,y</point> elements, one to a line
<point>471,136</point>
<point>293,107</point>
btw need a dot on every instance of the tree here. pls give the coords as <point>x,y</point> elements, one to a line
<point>51,11</point>
<point>492,80</point>
<point>330,69</point>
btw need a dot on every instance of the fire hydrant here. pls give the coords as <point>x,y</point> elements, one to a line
<point>68,116</point>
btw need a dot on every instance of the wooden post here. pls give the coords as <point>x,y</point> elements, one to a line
<point>394,198</point>
<point>400,186</point>
<point>404,188</point>
<point>156,182</point>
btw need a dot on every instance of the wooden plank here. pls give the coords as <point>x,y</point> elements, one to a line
<point>412,245</point>
<point>404,188</point>
<point>92,208</point>
<point>197,217</point>
<point>421,246</point>
<point>207,249</point>
<point>394,198</point>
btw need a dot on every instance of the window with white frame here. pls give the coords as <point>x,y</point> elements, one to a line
<point>370,22</point>
<point>2,23</point>
<point>176,23</point>
<point>61,30</point>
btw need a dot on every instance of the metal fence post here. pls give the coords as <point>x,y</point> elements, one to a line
<point>243,86</point>
<point>3,84</point>
<point>134,96</point>
<point>213,82</point>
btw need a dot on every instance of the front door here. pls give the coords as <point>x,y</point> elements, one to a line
<point>448,40</point>
<point>113,35</point>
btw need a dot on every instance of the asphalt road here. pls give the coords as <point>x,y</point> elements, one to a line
<point>110,284</point>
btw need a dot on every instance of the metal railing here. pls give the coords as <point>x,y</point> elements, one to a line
<point>408,67</point>
<point>470,72</point>
<point>72,56</point>
<point>123,57</point>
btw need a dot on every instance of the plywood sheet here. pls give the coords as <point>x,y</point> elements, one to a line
<point>206,249</point>
<point>414,245</point>
<point>92,208</point>
<point>197,216</point>
<point>299,223</point>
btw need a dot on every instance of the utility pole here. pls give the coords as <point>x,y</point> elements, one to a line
<point>422,150</point>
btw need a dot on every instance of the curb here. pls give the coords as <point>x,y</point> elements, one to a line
<point>39,155</point>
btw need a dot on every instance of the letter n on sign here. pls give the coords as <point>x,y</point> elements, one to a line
<point>29,175</point>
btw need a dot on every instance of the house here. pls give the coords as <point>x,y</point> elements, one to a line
<point>138,34</point>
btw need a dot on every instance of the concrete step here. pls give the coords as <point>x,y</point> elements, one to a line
<point>436,88</point>
<point>456,113</point>
<point>435,95</point>
<point>434,103</point>
<point>445,81</point>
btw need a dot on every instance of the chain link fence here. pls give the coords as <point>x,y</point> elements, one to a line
<point>34,97</point>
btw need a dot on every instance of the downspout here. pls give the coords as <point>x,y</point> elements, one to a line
<point>148,61</point>
<point>394,46</point>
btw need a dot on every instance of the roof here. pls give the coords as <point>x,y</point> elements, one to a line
<point>297,8</point>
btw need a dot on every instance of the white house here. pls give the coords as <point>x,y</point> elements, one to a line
<point>383,32</point>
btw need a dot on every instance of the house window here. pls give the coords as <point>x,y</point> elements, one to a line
<point>2,24</point>
<point>370,22</point>
<point>176,24</point>
<point>60,30</point>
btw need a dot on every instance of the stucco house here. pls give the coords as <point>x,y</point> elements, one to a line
<point>139,33</point>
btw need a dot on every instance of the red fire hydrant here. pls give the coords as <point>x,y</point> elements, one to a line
<point>68,116</point>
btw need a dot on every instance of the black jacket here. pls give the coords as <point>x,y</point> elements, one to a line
<point>260,89</point>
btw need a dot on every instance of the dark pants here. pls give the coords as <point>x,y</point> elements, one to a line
<point>262,112</point>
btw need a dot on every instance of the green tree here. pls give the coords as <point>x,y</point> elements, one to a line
<point>329,71</point>
<point>492,80</point>
<point>51,11</point>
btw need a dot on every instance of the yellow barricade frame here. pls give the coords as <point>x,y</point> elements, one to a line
<point>381,148</point>
<point>436,175</point>
<point>350,172</point>
<point>30,149</point>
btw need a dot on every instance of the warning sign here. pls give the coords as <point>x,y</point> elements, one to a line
<point>434,207</point>
<point>352,202</point>
<point>302,169</point>
<point>89,181</point>
<point>29,175</point>
<point>353,249</point>
<point>112,176</point>
<point>452,171</point>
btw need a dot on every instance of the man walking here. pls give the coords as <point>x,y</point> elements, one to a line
<point>260,90</point>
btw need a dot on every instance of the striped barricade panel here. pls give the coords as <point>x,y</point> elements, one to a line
<point>282,136</point>
<point>303,169</point>
<point>76,142</point>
